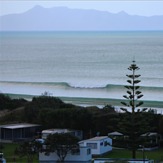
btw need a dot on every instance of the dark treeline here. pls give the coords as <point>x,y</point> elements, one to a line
<point>7,103</point>
<point>51,112</point>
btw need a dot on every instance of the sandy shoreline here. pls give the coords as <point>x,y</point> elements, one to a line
<point>93,101</point>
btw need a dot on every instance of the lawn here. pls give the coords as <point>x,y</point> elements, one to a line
<point>10,157</point>
<point>123,153</point>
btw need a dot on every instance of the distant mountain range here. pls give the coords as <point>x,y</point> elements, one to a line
<point>63,18</point>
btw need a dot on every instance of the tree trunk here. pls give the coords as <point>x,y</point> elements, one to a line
<point>133,153</point>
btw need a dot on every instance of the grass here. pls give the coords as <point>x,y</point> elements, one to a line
<point>156,155</point>
<point>8,151</point>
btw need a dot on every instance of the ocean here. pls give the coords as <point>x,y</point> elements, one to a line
<point>81,67</point>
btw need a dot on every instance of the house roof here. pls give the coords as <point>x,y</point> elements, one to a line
<point>150,134</point>
<point>115,134</point>
<point>18,125</point>
<point>52,131</point>
<point>97,138</point>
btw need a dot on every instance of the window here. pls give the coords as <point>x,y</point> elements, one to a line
<point>101,143</point>
<point>106,143</point>
<point>78,133</point>
<point>88,151</point>
<point>92,145</point>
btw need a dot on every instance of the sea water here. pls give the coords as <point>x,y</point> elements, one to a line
<point>81,64</point>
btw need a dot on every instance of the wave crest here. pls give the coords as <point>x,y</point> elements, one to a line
<point>74,85</point>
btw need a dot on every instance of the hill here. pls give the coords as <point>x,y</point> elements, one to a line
<point>63,18</point>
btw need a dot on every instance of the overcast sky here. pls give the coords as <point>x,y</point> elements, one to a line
<point>138,7</point>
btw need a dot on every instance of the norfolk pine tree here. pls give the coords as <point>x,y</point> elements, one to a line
<point>133,123</point>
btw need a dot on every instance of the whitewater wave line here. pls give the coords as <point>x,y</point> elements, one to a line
<point>73,86</point>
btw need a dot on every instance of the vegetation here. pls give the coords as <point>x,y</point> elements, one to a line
<point>61,144</point>
<point>156,155</point>
<point>11,156</point>
<point>133,124</point>
<point>28,149</point>
<point>7,103</point>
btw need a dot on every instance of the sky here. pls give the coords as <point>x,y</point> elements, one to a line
<point>132,7</point>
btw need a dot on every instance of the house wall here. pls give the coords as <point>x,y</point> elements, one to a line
<point>77,133</point>
<point>98,146</point>
<point>94,145</point>
<point>105,145</point>
<point>83,156</point>
<point>18,133</point>
<point>122,160</point>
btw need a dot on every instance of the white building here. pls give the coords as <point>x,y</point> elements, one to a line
<point>77,133</point>
<point>110,160</point>
<point>82,155</point>
<point>2,159</point>
<point>99,145</point>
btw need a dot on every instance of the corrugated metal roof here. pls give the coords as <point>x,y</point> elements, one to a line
<point>97,138</point>
<point>115,134</point>
<point>53,131</point>
<point>18,125</point>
